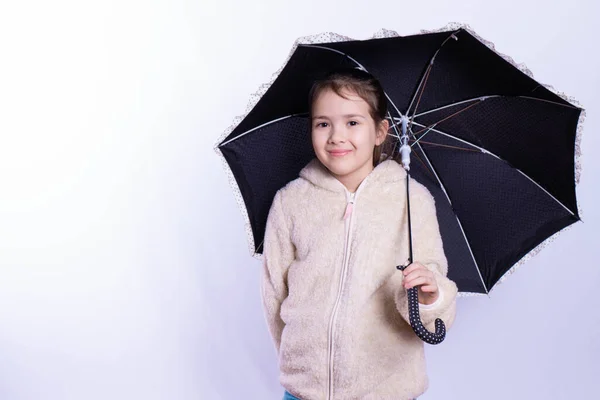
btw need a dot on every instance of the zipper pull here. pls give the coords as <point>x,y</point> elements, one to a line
<point>349,207</point>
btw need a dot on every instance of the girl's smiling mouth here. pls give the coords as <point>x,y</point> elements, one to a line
<point>338,152</point>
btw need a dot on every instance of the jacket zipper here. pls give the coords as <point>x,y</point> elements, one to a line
<point>350,201</point>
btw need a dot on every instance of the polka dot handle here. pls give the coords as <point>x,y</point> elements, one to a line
<point>415,318</point>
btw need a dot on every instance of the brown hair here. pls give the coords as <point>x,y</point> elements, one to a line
<point>366,86</point>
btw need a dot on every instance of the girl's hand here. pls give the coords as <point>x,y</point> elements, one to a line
<point>416,274</point>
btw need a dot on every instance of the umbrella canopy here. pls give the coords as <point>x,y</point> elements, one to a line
<point>495,148</point>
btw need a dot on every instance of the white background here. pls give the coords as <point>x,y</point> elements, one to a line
<point>124,269</point>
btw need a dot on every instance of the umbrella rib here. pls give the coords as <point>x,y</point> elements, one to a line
<point>336,51</point>
<point>261,126</point>
<point>485,151</point>
<point>444,119</point>
<point>551,102</point>
<point>456,216</point>
<point>425,165</point>
<point>414,141</point>
<point>478,99</point>
<point>453,35</point>
<point>421,94</point>
<point>482,98</point>
<point>447,146</point>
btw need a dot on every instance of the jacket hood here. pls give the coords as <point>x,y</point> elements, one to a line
<point>388,171</point>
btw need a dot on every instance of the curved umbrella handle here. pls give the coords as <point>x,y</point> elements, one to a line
<point>415,318</point>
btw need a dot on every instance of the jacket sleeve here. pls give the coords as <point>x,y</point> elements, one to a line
<point>429,251</point>
<point>278,254</point>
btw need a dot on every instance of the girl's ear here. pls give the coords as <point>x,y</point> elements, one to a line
<point>382,130</point>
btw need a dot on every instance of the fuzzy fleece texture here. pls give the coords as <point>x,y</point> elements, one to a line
<point>374,353</point>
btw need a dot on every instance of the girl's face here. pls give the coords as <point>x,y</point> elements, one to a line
<point>344,135</point>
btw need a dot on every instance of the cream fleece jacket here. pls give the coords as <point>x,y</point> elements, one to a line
<point>332,296</point>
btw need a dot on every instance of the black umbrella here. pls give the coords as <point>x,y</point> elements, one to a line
<point>494,147</point>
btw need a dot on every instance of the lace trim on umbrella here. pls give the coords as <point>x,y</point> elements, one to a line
<point>470,294</point>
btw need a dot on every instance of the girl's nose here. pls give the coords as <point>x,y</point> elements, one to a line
<point>337,136</point>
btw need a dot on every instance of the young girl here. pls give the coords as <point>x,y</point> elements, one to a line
<point>335,304</point>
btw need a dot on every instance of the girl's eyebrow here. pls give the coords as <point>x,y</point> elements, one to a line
<point>345,116</point>
<point>353,116</point>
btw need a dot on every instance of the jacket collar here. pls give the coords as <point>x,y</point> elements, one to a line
<point>385,172</point>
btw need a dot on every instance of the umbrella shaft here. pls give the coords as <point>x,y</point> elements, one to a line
<point>410,247</point>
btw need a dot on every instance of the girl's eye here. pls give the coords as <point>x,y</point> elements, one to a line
<point>353,123</point>
<point>322,125</point>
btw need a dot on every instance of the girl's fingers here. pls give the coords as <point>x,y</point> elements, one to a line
<point>412,267</point>
<point>418,273</point>
<point>422,280</point>
<point>428,288</point>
